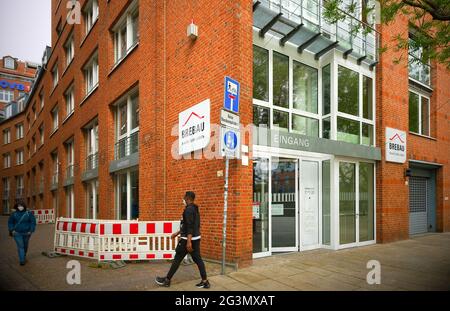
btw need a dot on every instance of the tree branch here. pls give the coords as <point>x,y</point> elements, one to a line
<point>428,8</point>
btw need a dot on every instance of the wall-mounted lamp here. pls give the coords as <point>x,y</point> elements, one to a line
<point>192,31</point>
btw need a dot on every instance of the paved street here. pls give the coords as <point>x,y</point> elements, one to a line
<point>422,263</point>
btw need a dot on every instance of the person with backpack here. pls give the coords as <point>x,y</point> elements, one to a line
<point>21,224</point>
<point>189,243</point>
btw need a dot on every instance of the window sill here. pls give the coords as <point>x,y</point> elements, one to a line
<point>68,116</point>
<point>423,136</point>
<point>54,131</point>
<point>89,32</point>
<point>89,94</point>
<point>421,84</point>
<point>120,61</point>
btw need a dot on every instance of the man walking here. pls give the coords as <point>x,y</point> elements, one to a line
<point>189,242</point>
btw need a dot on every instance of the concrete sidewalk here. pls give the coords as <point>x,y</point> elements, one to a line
<point>422,263</point>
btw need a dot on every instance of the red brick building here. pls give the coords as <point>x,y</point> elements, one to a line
<point>16,78</point>
<point>101,126</point>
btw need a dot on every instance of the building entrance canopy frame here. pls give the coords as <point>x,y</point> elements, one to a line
<point>301,23</point>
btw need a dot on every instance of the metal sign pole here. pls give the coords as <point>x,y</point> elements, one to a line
<point>225,208</point>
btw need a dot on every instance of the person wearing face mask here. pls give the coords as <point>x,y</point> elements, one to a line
<point>189,243</point>
<point>21,225</point>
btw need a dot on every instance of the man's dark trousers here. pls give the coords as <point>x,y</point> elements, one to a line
<point>181,252</point>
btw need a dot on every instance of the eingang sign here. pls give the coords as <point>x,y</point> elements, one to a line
<point>395,145</point>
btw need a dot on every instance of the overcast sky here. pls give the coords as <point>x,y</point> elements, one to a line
<point>25,28</point>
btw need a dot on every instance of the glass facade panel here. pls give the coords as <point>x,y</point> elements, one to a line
<point>122,196</point>
<point>283,203</point>
<point>367,98</point>
<point>326,202</point>
<point>305,126</point>
<point>261,116</point>
<point>347,130</point>
<point>366,202</point>
<point>281,120</point>
<point>326,90</point>
<point>280,80</point>
<point>367,134</point>
<point>425,110</point>
<point>305,87</point>
<point>348,91</point>
<point>347,203</point>
<point>260,205</point>
<point>260,73</point>
<point>326,128</point>
<point>413,112</point>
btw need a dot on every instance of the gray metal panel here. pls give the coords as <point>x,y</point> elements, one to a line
<point>68,181</point>
<point>431,202</point>
<point>89,174</point>
<point>124,163</point>
<point>267,137</point>
<point>417,205</point>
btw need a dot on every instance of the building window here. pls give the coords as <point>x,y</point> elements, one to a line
<point>90,15</point>
<point>305,126</point>
<point>55,75</point>
<point>348,91</point>
<point>6,136</point>
<point>6,160</point>
<point>19,131</point>
<point>55,168</point>
<point>41,134</point>
<point>126,32</point>
<point>70,202</point>
<point>70,101</point>
<point>59,28</point>
<point>261,116</point>
<point>305,87</point>
<point>419,114</point>
<point>70,153</point>
<point>92,199</point>
<point>92,147</point>
<point>41,100</point>
<point>69,48</point>
<point>127,126</point>
<point>19,157</point>
<point>6,96</point>
<point>280,80</point>
<point>19,186</point>
<point>260,73</point>
<point>347,130</point>
<point>418,67</point>
<point>9,63</point>
<point>127,195</point>
<point>55,121</point>
<point>367,98</point>
<point>91,74</point>
<point>326,90</point>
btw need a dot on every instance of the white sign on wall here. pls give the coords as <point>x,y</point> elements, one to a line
<point>395,145</point>
<point>194,128</point>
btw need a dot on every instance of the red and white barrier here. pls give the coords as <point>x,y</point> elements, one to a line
<point>44,216</point>
<point>107,240</point>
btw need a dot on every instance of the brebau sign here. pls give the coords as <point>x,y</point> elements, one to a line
<point>194,127</point>
<point>395,145</point>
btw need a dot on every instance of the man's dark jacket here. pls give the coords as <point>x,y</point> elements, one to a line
<point>191,221</point>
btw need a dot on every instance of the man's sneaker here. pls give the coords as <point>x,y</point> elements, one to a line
<point>203,284</point>
<point>162,281</point>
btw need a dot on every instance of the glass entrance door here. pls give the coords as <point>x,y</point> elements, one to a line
<point>283,204</point>
<point>260,207</point>
<point>309,205</point>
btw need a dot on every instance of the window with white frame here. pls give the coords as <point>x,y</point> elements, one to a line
<point>126,31</point>
<point>19,131</point>
<point>70,154</point>
<point>92,147</point>
<point>19,184</point>
<point>41,99</point>
<point>6,136</point>
<point>19,157</point>
<point>6,186</point>
<point>9,63</point>
<point>70,202</point>
<point>6,96</point>
<point>69,48</point>
<point>70,101</point>
<point>55,119</point>
<point>418,67</point>
<point>91,73</point>
<point>55,168</point>
<point>41,134</point>
<point>419,113</point>
<point>55,75</point>
<point>127,125</point>
<point>90,15</point>
<point>6,160</point>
